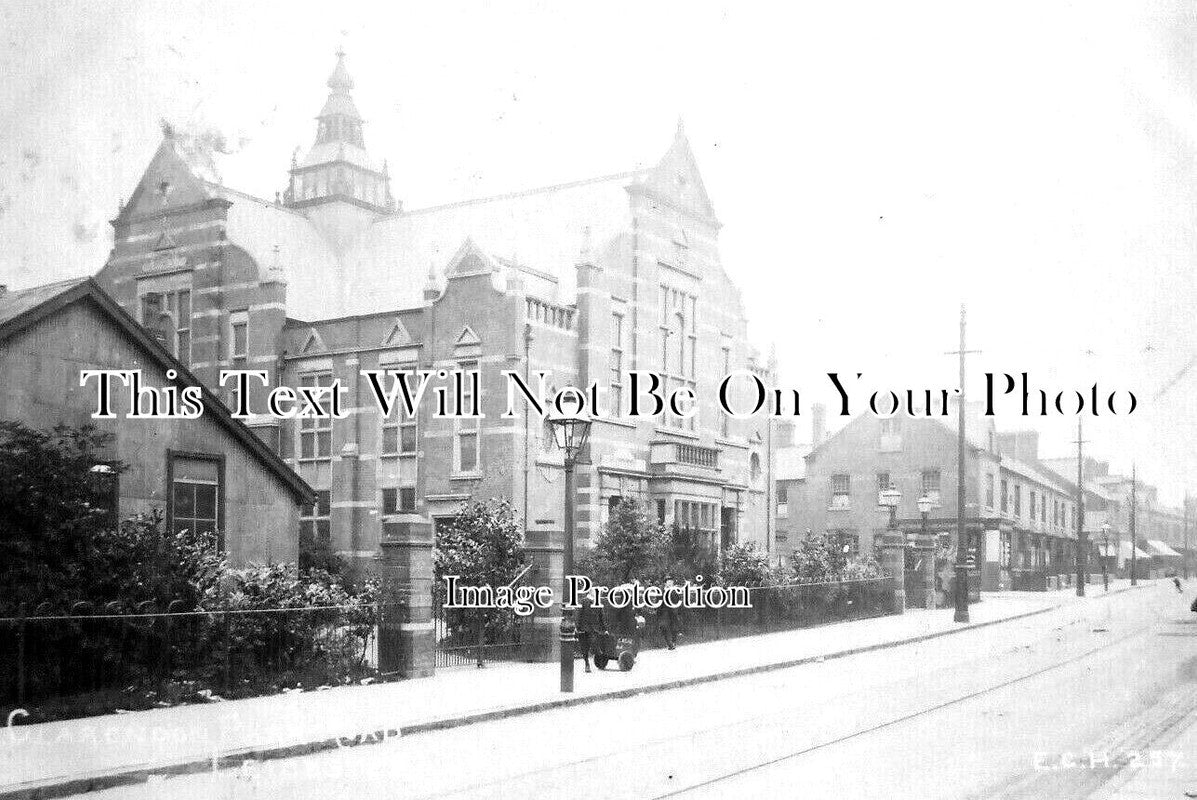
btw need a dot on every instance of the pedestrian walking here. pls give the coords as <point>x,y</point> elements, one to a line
<point>590,625</point>
<point>1176,583</point>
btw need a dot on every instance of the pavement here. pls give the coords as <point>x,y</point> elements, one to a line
<point>67,757</point>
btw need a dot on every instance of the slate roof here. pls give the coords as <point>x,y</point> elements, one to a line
<point>21,308</point>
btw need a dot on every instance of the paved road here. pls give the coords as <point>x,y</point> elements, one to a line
<point>1049,706</point>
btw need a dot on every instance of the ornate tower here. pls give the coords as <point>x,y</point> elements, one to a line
<point>337,169</point>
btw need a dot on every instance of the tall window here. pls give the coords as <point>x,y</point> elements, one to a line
<point>1017,500</point>
<point>1031,505</point>
<point>616,380</point>
<point>696,516</point>
<point>467,456</point>
<point>1005,495</point>
<point>167,316</point>
<point>989,490</point>
<point>398,430</point>
<point>195,496</point>
<point>841,491</point>
<point>238,339</point>
<point>679,342</point>
<point>315,530</point>
<point>883,482</point>
<point>315,433</point>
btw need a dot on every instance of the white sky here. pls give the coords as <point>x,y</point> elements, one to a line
<point>874,164</point>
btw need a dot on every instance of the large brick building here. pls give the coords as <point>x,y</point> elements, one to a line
<point>587,280</point>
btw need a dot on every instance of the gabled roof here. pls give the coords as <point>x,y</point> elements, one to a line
<point>537,233</point>
<point>676,175</point>
<point>976,426</point>
<point>22,308</point>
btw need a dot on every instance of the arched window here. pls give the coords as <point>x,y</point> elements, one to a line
<point>754,466</point>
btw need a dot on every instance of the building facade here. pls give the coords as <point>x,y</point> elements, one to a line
<point>1021,515</point>
<point>586,281</point>
<point>210,474</point>
<point>1153,521</point>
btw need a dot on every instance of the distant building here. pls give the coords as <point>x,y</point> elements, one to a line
<point>588,280</point>
<point>1019,513</point>
<point>1154,521</point>
<point>790,475</point>
<point>209,474</point>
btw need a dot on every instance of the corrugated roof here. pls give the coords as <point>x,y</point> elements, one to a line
<point>16,302</point>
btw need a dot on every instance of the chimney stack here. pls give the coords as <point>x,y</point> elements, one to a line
<point>818,424</point>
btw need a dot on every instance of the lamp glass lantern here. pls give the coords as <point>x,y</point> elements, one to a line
<point>925,504</point>
<point>571,432</point>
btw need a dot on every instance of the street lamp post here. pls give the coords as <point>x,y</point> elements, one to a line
<point>925,504</point>
<point>570,433</point>
<point>1105,554</point>
<point>893,547</point>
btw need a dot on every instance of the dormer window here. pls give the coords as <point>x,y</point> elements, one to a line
<point>164,189</point>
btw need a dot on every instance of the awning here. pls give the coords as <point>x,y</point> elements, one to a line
<point>1158,548</point>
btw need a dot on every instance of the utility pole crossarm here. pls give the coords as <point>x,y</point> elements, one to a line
<point>1081,554</point>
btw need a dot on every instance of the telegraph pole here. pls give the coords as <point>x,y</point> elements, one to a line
<point>962,548</point>
<point>1133,520</point>
<point>1080,510</point>
<point>1184,555</point>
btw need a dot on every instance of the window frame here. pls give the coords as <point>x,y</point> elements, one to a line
<point>399,494</point>
<point>315,519</point>
<point>238,319</point>
<point>463,428</point>
<point>315,426</point>
<point>172,456</point>
<point>615,368</point>
<point>400,425</point>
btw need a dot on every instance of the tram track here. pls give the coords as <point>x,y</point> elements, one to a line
<point>682,741</point>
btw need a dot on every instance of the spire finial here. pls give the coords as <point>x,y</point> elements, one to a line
<point>681,126</point>
<point>340,81</point>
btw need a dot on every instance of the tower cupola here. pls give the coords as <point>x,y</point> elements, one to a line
<point>338,168</point>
